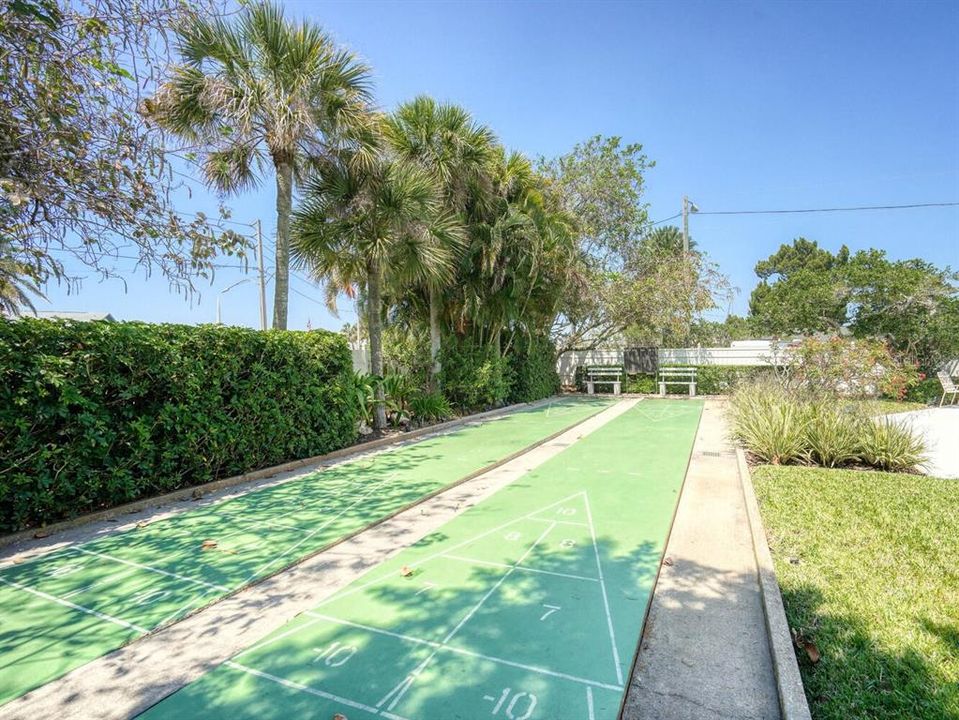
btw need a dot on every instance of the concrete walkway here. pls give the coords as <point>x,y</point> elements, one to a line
<point>704,654</point>
<point>939,427</point>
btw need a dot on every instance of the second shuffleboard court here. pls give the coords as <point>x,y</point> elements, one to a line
<point>528,606</point>
<point>68,607</point>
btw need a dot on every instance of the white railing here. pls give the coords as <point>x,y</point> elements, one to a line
<point>751,354</point>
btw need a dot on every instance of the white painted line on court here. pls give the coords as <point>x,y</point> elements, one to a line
<point>602,585</point>
<point>277,638</point>
<point>113,577</point>
<point>370,488</point>
<point>177,576</point>
<point>464,651</point>
<point>67,603</point>
<point>490,563</point>
<point>299,686</point>
<point>589,704</point>
<point>353,590</point>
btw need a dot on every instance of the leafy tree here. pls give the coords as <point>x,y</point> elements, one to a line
<point>16,283</point>
<point>802,290</point>
<point>262,89</point>
<point>369,223</point>
<point>81,175</point>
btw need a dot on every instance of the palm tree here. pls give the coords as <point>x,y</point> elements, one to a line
<point>665,241</point>
<point>444,139</point>
<point>371,224</point>
<point>17,282</point>
<point>256,88</point>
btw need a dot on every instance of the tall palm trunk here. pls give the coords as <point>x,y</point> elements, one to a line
<point>435,336</point>
<point>284,206</point>
<point>374,318</point>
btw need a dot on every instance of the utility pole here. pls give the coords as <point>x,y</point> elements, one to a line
<point>259,259</point>
<point>688,207</point>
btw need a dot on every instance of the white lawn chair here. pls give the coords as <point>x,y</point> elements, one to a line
<point>948,387</point>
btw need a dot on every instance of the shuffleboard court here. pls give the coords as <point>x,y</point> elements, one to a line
<point>73,605</point>
<point>528,606</point>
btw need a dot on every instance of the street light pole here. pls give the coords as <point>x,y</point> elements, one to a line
<point>259,257</point>
<point>222,293</point>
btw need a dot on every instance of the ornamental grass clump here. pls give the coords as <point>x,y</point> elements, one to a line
<point>770,423</point>
<point>891,446</point>
<point>832,434</point>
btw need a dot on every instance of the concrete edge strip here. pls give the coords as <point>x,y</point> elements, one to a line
<point>792,696</point>
<point>261,474</point>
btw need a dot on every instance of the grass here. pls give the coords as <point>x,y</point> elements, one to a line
<point>868,563</point>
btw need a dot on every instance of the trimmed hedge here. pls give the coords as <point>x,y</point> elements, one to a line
<point>532,362</point>
<point>96,414</point>
<point>474,376</point>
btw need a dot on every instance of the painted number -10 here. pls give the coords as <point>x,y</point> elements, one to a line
<point>515,706</point>
<point>335,654</point>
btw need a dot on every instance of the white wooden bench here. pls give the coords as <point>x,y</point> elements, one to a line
<point>677,376</point>
<point>611,374</point>
<point>948,387</point>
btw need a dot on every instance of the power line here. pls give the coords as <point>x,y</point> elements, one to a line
<point>671,217</point>
<point>823,210</point>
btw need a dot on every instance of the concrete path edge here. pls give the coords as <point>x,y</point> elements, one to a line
<point>792,696</point>
<point>193,491</point>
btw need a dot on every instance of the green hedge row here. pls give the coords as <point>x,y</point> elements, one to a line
<point>476,377</point>
<point>532,362</point>
<point>710,380</point>
<point>95,414</point>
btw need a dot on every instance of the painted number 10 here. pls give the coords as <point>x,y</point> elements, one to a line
<point>334,655</point>
<point>515,706</point>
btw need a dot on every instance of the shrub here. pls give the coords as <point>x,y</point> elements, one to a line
<point>832,434</point>
<point>532,363</point>
<point>780,426</point>
<point>771,425</point>
<point>430,406</point>
<point>891,446</point>
<point>853,368</point>
<point>474,376</point>
<point>95,414</point>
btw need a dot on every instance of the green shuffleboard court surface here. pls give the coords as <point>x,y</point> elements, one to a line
<point>73,605</point>
<point>528,606</point>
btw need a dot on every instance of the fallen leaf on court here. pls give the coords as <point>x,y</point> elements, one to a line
<point>208,545</point>
<point>41,534</point>
<point>406,571</point>
<point>668,561</point>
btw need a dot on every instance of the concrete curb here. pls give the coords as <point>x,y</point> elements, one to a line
<point>792,696</point>
<point>194,491</point>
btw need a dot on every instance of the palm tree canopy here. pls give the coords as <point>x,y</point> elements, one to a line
<point>261,85</point>
<point>392,214</point>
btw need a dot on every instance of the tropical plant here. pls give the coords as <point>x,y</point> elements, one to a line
<point>832,434</point>
<point>369,224</point>
<point>364,393</point>
<point>891,445</point>
<point>16,282</point>
<point>398,390</point>
<point>447,142</point>
<point>430,406</point>
<point>262,89</point>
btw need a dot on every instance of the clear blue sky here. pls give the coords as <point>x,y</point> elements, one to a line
<point>743,105</point>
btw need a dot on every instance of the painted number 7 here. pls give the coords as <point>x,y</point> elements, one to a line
<point>550,609</point>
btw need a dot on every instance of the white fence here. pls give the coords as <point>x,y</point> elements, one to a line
<point>361,358</point>
<point>752,354</point>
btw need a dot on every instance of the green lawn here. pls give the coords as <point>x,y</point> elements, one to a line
<point>868,564</point>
